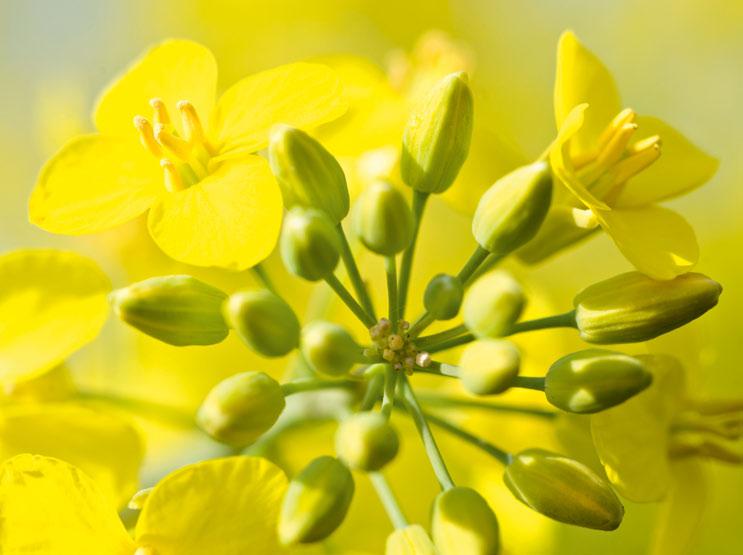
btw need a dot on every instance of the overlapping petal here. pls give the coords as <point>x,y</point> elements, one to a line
<point>51,304</point>
<point>230,219</point>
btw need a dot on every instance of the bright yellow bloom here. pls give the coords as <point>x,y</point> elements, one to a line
<point>616,165</point>
<point>220,506</point>
<point>211,201</point>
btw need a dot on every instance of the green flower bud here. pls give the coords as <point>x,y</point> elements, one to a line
<point>594,380</point>
<point>316,502</point>
<point>437,136</point>
<point>241,408</point>
<point>493,304</point>
<point>264,321</point>
<point>329,348</point>
<point>307,173</point>
<point>411,540</point>
<point>309,244</point>
<point>489,366</point>
<point>632,307</point>
<point>563,489</point>
<point>512,210</point>
<point>463,522</point>
<point>383,221</point>
<point>443,296</point>
<point>366,441</point>
<point>179,310</point>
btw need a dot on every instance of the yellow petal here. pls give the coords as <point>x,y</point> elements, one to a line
<point>48,507</point>
<point>93,183</point>
<point>301,95</point>
<point>231,219</point>
<point>51,304</point>
<point>104,446</point>
<point>581,77</point>
<point>681,167</point>
<point>631,439</point>
<point>173,70</point>
<point>225,506</point>
<point>657,241</point>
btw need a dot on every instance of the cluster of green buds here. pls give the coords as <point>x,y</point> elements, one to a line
<point>250,407</point>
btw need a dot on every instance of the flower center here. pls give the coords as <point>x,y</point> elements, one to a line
<point>710,430</point>
<point>184,159</point>
<point>395,346</point>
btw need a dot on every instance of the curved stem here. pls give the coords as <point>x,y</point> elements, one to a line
<point>445,401</point>
<point>529,382</point>
<point>262,275</point>
<point>440,369</point>
<point>311,384</point>
<point>420,324</point>
<point>388,499</point>
<point>489,448</point>
<point>390,268</point>
<point>566,320</point>
<point>373,392</point>
<point>349,301</point>
<point>165,413</point>
<point>353,273</point>
<point>490,262</point>
<point>471,266</point>
<point>419,205</point>
<point>388,400</point>
<point>441,336</point>
<point>451,343</point>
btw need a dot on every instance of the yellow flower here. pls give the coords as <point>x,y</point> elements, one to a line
<point>220,506</point>
<point>211,201</point>
<point>616,165</point>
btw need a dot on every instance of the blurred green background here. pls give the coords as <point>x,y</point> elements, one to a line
<point>676,59</point>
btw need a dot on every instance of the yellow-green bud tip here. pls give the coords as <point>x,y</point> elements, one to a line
<point>493,304</point>
<point>329,348</point>
<point>382,219</point>
<point>489,366</point>
<point>463,522</point>
<point>366,441</point>
<point>309,244</point>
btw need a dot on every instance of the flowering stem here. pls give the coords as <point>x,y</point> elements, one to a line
<point>446,401</point>
<point>442,336</point>
<point>350,302</point>
<point>451,343</point>
<point>529,382</point>
<point>490,262</point>
<point>390,267</point>
<point>390,383</point>
<point>373,391</point>
<point>429,443</point>
<point>419,204</point>
<point>489,448</point>
<point>264,278</point>
<point>440,369</point>
<point>421,323</point>
<point>311,384</point>
<point>566,320</point>
<point>160,411</point>
<point>354,275</point>
<point>471,266</point>
<point>388,499</point>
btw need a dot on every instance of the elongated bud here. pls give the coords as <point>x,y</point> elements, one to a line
<point>488,366</point>
<point>437,136</point>
<point>383,221</point>
<point>366,441</point>
<point>264,321</point>
<point>309,244</point>
<point>594,380</point>
<point>316,502</point>
<point>632,307</point>
<point>307,173</point>
<point>443,296</point>
<point>241,408</point>
<point>329,348</point>
<point>463,522</point>
<point>563,489</point>
<point>493,304</point>
<point>179,310</point>
<point>411,540</point>
<point>512,210</point>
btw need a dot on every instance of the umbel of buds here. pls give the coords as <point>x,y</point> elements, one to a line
<point>316,502</point>
<point>307,173</point>
<point>489,366</point>
<point>366,441</point>
<point>443,296</point>
<point>410,540</point>
<point>563,489</point>
<point>179,310</point>
<point>383,221</point>
<point>463,522</point>
<point>329,348</point>
<point>241,408</point>
<point>594,379</point>
<point>264,321</point>
<point>493,304</point>
<point>309,244</point>
<point>437,136</point>
<point>632,307</point>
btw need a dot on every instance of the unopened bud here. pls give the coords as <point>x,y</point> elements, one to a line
<point>632,307</point>
<point>179,310</point>
<point>594,380</point>
<point>329,348</point>
<point>366,441</point>
<point>463,522</point>
<point>563,489</point>
<point>512,210</point>
<point>316,502</point>
<point>264,321</point>
<point>411,540</point>
<point>489,366</point>
<point>437,136</point>
<point>443,296</point>
<point>309,244</point>
<point>241,408</point>
<point>382,219</point>
<point>307,173</point>
<point>493,304</point>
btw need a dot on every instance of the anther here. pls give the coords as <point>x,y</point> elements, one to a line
<point>191,123</point>
<point>611,153</point>
<point>620,120</point>
<point>173,180</point>
<point>147,137</point>
<point>636,163</point>
<point>176,145</point>
<point>161,112</point>
<point>650,143</point>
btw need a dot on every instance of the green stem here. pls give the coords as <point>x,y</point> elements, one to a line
<point>429,443</point>
<point>262,275</point>
<point>423,321</point>
<point>390,267</point>
<point>451,343</point>
<point>503,456</point>
<point>471,266</point>
<point>373,392</point>
<point>440,369</point>
<point>350,302</point>
<point>390,383</point>
<point>165,413</point>
<point>446,401</point>
<point>388,499</point>
<point>441,336</point>
<point>419,204</point>
<point>353,273</point>
<point>490,262</point>
<point>529,382</point>
<point>566,320</point>
<point>311,384</point>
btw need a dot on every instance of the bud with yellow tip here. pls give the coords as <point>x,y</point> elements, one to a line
<point>309,244</point>
<point>493,304</point>
<point>411,540</point>
<point>383,221</point>
<point>489,366</point>
<point>366,441</point>
<point>329,348</point>
<point>443,296</point>
<point>463,522</point>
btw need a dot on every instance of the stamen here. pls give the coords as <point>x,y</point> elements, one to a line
<point>645,144</point>
<point>620,120</point>
<point>636,163</point>
<point>173,180</point>
<point>191,123</point>
<point>161,112</point>
<point>147,137</point>
<point>611,153</point>
<point>176,145</point>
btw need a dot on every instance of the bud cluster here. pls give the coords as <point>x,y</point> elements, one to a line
<point>395,346</point>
